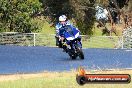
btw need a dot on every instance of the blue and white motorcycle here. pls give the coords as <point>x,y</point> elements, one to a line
<point>72,40</point>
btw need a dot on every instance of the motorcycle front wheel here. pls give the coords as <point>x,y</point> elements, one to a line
<point>72,54</point>
<point>81,54</point>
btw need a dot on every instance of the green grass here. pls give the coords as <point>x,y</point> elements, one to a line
<point>59,80</point>
<point>97,32</point>
<point>100,42</point>
<point>47,29</point>
<point>45,40</point>
<point>44,26</point>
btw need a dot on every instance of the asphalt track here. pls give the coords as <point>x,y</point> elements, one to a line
<point>30,59</point>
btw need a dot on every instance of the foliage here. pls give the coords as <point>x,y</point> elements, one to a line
<point>16,15</point>
<point>84,17</point>
<point>22,15</point>
<point>55,8</point>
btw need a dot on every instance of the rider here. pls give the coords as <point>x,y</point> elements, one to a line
<point>63,21</point>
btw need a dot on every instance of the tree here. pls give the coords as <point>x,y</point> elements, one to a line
<point>84,15</point>
<point>17,15</point>
<point>55,8</point>
<point>76,9</point>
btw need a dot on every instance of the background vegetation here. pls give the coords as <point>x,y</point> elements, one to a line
<point>38,15</point>
<point>18,15</point>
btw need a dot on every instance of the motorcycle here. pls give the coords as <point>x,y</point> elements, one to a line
<point>73,44</point>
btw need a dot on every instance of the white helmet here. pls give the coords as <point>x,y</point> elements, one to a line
<point>62,18</point>
<point>97,7</point>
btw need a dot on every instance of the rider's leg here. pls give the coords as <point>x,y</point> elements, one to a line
<point>58,42</point>
<point>64,45</point>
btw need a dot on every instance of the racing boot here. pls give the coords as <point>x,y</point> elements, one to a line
<point>64,46</point>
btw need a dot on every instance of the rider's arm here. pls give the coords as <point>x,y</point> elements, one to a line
<point>68,22</point>
<point>57,27</point>
<point>76,28</point>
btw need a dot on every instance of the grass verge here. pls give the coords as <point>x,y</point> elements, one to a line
<point>56,80</point>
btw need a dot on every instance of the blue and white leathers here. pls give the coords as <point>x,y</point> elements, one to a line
<point>59,25</point>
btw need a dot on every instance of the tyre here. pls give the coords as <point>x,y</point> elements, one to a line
<point>72,54</point>
<point>79,50</point>
<point>73,57</point>
<point>80,53</point>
